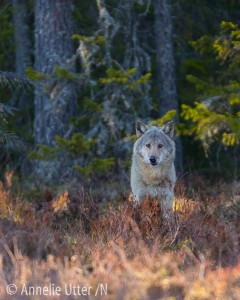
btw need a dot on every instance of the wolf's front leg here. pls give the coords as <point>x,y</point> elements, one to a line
<point>167,205</point>
<point>136,203</point>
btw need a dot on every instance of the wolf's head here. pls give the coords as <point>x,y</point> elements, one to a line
<point>155,145</point>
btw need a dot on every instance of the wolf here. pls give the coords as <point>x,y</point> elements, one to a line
<point>153,173</point>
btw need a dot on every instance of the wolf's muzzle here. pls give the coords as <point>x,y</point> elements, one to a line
<point>153,160</point>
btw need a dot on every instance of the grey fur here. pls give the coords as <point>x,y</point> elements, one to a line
<point>154,179</point>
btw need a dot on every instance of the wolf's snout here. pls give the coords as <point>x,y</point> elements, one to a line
<point>153,160</point>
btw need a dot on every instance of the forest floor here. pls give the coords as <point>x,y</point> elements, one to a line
<point>74,245</point>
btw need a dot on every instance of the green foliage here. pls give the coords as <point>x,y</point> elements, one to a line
<point>9,140</point>
<point>214,117</point>
<point>77,145</point>
<point>10,80</point>
<point>34,75</point>
<point>91,105</point>
<point>59,72</point>
<point>203,44</point>
<point>226,44</point>
<point>96,166</point>
<point>97,40</point>
<point>125,78</point>
<point>201,85</point>
<point>43,153</point>
<point>12,136</point>
<point>230,139</point>
<point>169,116</point>
<point>117,76</point>
<point>112,94</point>
<point>209,126</point>
<point>65,74</point>
<point>141,80</point>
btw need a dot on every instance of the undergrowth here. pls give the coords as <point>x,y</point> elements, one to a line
<point>75,238</point>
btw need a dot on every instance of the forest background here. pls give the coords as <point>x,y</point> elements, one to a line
<point>75,76</point>
<point>110,64</point>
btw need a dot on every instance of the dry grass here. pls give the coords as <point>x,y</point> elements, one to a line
<point>56,242</point>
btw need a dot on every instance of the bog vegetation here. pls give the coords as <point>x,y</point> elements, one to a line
<point>77,238</point>
<point>68,110</point>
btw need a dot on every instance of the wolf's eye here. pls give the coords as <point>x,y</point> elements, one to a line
<point>160,145</point>
<point>148,145</point>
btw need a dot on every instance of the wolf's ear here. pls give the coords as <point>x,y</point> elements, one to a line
<point>140,128</point>
<point>168,129</point>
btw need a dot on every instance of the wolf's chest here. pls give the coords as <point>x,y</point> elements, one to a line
<point>158,183</point>
<point>156,179</point>
<point>162,191</point>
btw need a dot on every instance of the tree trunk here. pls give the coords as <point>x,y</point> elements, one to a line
<point>22,36</point>
<point>23,48</point>
<point>23,52</point>
<point>55,101</point>
<point>165,67</point>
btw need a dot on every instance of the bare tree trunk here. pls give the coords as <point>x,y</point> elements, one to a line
<point>23,48</point>
<point>23,52</point>
<point>22,36</point>
<point>165,66</point>
<point>55,101</point>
